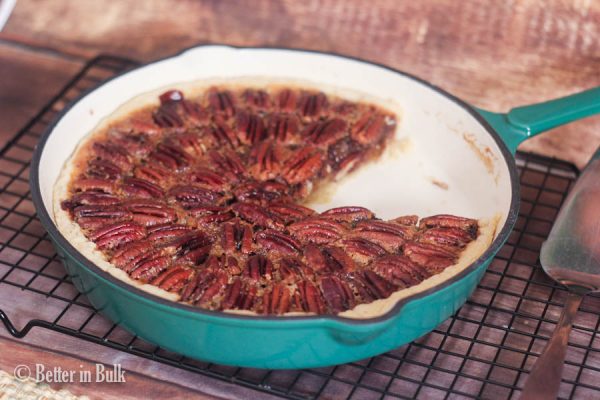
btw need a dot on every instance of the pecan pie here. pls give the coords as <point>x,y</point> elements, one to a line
<point>202,198</point>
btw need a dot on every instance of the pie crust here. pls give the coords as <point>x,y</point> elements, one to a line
<point>486,228</point>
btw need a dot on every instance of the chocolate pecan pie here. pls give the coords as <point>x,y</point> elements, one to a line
<point>200,200</point>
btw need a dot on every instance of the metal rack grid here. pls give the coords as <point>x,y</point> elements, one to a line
<point>484,351</point>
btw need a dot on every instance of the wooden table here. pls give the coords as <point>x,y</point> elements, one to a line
<point>497,56</point>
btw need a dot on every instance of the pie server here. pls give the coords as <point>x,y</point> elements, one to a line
<point>439,138</point>
<point>570,256</point>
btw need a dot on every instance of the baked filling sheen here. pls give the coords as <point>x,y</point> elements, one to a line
<point>202,197</point>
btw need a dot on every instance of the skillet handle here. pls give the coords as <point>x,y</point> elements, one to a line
<point>524,122</point>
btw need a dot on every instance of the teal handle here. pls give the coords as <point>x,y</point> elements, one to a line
<point>521,123</point>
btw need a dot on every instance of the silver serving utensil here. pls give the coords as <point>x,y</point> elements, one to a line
<point>6,8</point>
<point>570,256</point>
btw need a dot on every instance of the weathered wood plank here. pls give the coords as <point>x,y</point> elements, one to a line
<point>136,386</point>
<point>27,81</point>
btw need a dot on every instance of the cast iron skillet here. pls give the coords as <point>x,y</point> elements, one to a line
<point>469,149</point>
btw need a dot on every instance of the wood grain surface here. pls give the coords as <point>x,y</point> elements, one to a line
<point>494,54</point>
<point>136,386</point>
<point>27,80</point>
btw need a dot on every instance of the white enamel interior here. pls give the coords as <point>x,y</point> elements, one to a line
<point>438,136</point>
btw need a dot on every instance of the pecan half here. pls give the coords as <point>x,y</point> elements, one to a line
<point>283,127</point>
<point>453,237</point>
<point>286,100</point>
<point>325,132</point>
<point>258,267</point>
<point>279,242</point>
<point>311,105</point>
<point>290,212</point>
<point>150,212</point>
<point>94,184</point>
<point>369,128</point>
<point>228,164</point>
<point>433,258</point>
<point>190,196</point>
<point>261,192</point>
<point>236,236</point>
<point>151,173</point>
<point>112,153</point>
<point>409,220</point>
<point>150,268</point>
<point>136,187</point>
<point>164,233</point>
<point>222,102</point>
<point>170,156</point>
<point>348,214</point>
<point>399,270</point>
<point>96,216</point>
<point>266,160</point>
<point>103,169</point>
<point>238,297</point>
<point>233,297</point>
<point>174,111</point>
<point>451,221</point>
<point>136,145</point>
<point>257,215</point>
<point>337,294</point>
<point>190,141</point>
<point>204,288</point>
<point>129,256</point>
<point>388,235</point>
<point>328,259</point>
<point>362,250</point>
<point>194,112</point>
<point>191,249</point>
<point>304,165</point>
<point>345,108</point>
<point>310,298</point>
<point>208,179</point>
<point>167,116</point>
<point>369,286</point>
<point>292,269</point>
<point>257,99</point>
<point>277,300</point>
<point>89,199</point>
<point>173,279</point>
<point>247,298</point>
<point>208,215</point>
<point>220,134</point>
<point>378,286</point>
<point>316,230</point>
<point>345,154</point>
<point>117,234</point>
<point>250,127</point>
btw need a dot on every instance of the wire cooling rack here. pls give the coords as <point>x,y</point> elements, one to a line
<point>484,351</point>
